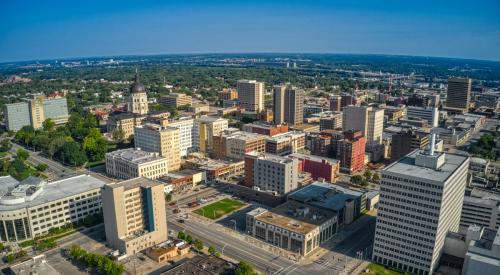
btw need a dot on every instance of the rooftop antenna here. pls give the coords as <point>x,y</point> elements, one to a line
<point>433,144</point>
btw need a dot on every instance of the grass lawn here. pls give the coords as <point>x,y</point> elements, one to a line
<point>376,269</point>
<point>218,209</point>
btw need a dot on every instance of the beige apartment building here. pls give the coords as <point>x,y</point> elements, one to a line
<point>164,140</point>
<point>288,105</point>
<point>286,143</point>
<point>176,99</point>
<point>251,95</point>
<point>368,120</point>
<point>134,215</point>
<point>235,144</point>
<point>205,128</point>
<point>228,94</point>
<point>132,163</point>
<point>124,123</point>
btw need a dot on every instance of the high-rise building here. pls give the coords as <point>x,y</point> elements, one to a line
<point>228,94</point>
<point>251,95</point>
<point>186,134</point>
<point>335,103</point>
<point>205,129</point>
<point>459,92</point>
<point>160,139</point>
<point>330,121</point>
<point>271,173</point>
<point>134,215</point>
<point>288,105</point>
<point>351,151</point>
<point>137,101</point>
<point>287,143</point>
<point>35,111</point>
<point>429,114</point>
<point>406,140</point>
<point>421,199</point>
<point>132,163</point>
<point>368,120</point>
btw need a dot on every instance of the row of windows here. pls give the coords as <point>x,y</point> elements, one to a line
<point>406,214</point>
<point>420,183</point>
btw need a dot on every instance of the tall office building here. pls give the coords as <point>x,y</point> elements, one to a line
<point>186,134</point>
<point>351,151</point>
<point>421,199</point>
<point>134,214</point>
<point>458,96</point>
<point>205,129</point>
<point>288,105</point>
<point>160,139</point>
<point>429,114</point>
<point>251,95</point>
<point>35,111</point>
<point>368,120</point>
<point>335,103</point>
<point>271,173</point>
<point>137,101</point>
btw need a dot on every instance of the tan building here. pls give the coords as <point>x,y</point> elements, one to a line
<point>205,128</point>
<point>228,94</point>
<point>287,143</point>
<point>134,215</point>
<point>37,112</point>
<point>176,99</point>
<point>132,163</point>
<point>288,105</point>
<point>235,144</point>
<point>458,96</point>
<point>293,226</point>
<point>251,95</point>
<point>368,120</point>
<point>124,123</point>
<point>164,140</point>
<point>137,101</point>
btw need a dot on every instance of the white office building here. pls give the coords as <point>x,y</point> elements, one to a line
<point>421,199</point>
<point>273,173</point>
<point>429,114</point>
<point>187,136</point>
<point>480,207</point>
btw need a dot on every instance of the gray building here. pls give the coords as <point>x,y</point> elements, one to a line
<point>273,173</point>
<point>483,253</point>
<point>56,109</point>
<point>421,199</point>
<point>17,115</point>
<point>480,207</point>
<point>288,105</point>
<point>459,92</point>
<point>429,114</point>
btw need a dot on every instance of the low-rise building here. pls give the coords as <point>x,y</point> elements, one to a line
<point>479,165</point>
<point>319,167</point>
<point>176,99</point>
<point>480,207</point>
<point>216,169</point>
<point>134,215</point>
<point>285,144</point>
<point>330,120</point>
<point>266,129</point>
<point>235,144</point>
<point>293,226</point>
<point>124,123</point>
<point>483,253</point>
<point>184,180</point>
<point>32,207</point>
<point>199,107</point>
<point>133,162</point>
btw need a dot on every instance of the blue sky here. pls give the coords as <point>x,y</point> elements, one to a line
<point>31,30</point>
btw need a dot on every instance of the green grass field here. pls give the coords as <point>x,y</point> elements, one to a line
<point>218,209</point>
<point>376,269</point>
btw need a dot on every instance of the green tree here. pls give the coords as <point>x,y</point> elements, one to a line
<point>181,235</point>
<point>118,135</point>
<point>212,250</point>
<point>198,244</point>
<point>368,175</point>
<point>95,145</point>
<point>48,125</point>
<point>359,180</point>
<point>5,145</point>
<point>22,154</point>
<point>168,197</point>
<point>42,167</point>
<point>244,268</point>
<point>376,177</point>
<point>71,154</point>
<point>189,239</point>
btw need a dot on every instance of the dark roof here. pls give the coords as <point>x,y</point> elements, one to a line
<point>137,87</point>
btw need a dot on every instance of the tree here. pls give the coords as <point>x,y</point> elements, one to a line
<point>198,244</point>
<point>244,268</point>
<point>368,175</point>
<point>48,125</point>
<point>22,154</point>
<point>168,197</point>
<point>189,239</point>
<point>181,235</point>
<point>118,135</point>
<point>95,145</point>
<point>70,153</point>
<point>359,180</point>
<point>42,167</point>
<point>211,250</point>
<point>5,145</point>
<point>376,177</point>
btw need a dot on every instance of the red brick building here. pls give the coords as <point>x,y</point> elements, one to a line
<point>266,129</point>
<point>351,152</point>
<point>318,167</point>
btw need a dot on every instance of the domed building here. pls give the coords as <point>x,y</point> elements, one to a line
<point>137,102</point>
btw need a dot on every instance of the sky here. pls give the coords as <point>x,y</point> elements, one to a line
<point>37,30</point>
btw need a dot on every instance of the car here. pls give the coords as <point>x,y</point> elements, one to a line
<point>181,221</point>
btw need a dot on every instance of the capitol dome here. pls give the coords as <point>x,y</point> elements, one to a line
<point>137,87</point>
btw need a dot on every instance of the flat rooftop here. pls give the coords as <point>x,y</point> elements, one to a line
<point>137,156</point>
<point>406,166</point>
<point>270,157</point>
<point>313,158</point>
<point>296,217</point>
<point>286,136</point>
<point>60,189</point>
<point>325,195</point>
<point>134,183</point>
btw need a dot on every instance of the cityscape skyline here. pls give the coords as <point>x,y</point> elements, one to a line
<point>112,29</point>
